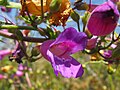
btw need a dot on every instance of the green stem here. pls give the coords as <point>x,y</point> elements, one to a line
<point>111,82</point>
<point>28,80</point>
<point>17,27</point>
<point>84,27</point>
<point>22,28</point>
<point>42,9</point>
<point>94,62</point>
<point>78,24</point>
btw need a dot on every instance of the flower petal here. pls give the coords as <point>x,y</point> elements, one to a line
<point>4,53</point>
<point>44,47</point>
<point>69,41</point>
<point>103,19</point>
<point>68,68</point>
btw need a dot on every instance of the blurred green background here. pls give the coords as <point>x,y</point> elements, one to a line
<point>40,76</point>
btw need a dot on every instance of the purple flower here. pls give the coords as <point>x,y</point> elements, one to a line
<point>108,53</point>
<point>4,9</point>
<point>18,53</point>
<point>19,73</point>
<point>103,19</point>
<point>2,76</point>
<point>58,52</point>
<point>4,53</point>
<point>20,67</point>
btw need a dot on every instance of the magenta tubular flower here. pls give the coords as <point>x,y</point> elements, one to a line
<point>18,52</point>
<point>103,19</point>
<point>108,53</point>
<point>4,53</point>
<point>58,52</point>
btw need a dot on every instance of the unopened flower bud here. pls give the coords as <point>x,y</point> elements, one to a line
<point>81,6</point>
<point>75,16</point>
<point>4,9</point>
<point>107,53</point>
<point>110,70</point>
<point>55,5</point>
<point>35,51</point>
<point>85,18</point>
<point>91,43</point>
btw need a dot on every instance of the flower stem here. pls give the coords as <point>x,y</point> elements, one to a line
<point>17,27</point>
<point>111,82</point>
<point>78,24</point>
<point>28,39</point>
<point>94,62</point>
<point>42,9</point>
<point>28,80</point>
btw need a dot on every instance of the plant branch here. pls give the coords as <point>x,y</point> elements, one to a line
<point>17,27</point>
<point>78,24</point>
<point>28,39</point>
<point>42,9</point>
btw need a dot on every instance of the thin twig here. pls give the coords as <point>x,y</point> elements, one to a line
<point>42,16</point>
<point>28,80</point>
<point>111,43</point>
<point>17,27</point>
<point>78,24</point>
<point>28,39</point>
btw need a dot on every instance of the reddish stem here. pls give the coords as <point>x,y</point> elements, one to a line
<point>28,39</point>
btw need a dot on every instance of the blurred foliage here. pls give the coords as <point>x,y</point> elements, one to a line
<point>42,77</point>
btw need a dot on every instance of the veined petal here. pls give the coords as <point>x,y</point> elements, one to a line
<point>58,52</point>
<point>103,19</point>
<point>68,68</point>
<point>69,41</point>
